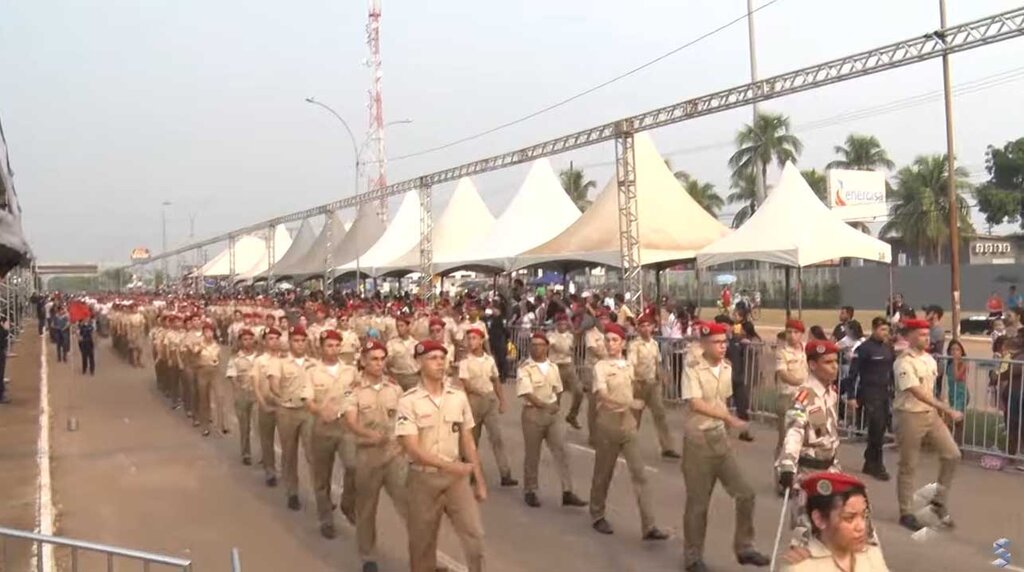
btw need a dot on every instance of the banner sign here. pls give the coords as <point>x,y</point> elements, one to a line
<point>857,195</point>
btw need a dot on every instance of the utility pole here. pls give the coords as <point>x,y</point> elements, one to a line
<point>952,197</point>
<point>759,187</point>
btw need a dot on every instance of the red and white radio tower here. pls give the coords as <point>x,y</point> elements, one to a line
<point>375,133</point>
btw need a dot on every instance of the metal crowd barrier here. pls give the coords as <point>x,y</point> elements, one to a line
<point>79,554</point>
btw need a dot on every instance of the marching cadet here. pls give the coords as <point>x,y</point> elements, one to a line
<point>288,380</point>
<point>707,453</point>
<point>234,328</point>
<point>539,385</point>
<point>645,355</point>
<point>433,423</point>
<point>266,413</point>
<point>790,375</point>
<point>156,339</point>
<point>479,376</point>
<point>241,373</point>
<point>812,429</point>
<point>562,344</point>
<point>206,362</point>
<point>190,341</point>
<point>616,433</point>
<point>595,351</point>
<point>370,409</point>
<point>329,440</point>
<point>170,352</point>
<point>135,328</point>
<point>472,321</point>
<point>919,417</point>
<point>349,340</point>
<point>438,333</point>
<point>400,361</point>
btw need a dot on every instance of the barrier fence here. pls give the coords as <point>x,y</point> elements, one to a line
<point>988,392</point>
<point>75,555</point>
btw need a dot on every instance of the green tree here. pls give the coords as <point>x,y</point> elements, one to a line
<point>577,186</point>
<point>744,189</point>
<point>1001,198</point>
<point>920,210</point>
<point>862,153</point>
<point>769,140</point>
<point>703,194</point>
<point>816,180</point>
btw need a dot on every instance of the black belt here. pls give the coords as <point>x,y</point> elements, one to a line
<point>819,464</point>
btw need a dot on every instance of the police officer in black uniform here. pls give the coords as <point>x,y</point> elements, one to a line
<point>872,381</point>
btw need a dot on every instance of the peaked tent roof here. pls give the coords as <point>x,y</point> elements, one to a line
<point>793,227</point>
<point>312,262</point>
<point>672,225</point>
<point>465,220</point>
<point>282,242</point>
<point>538,212</point>
<point>301,242</point>
<point>365,231</point>
<point>248,250</point>
<point>400,235</point>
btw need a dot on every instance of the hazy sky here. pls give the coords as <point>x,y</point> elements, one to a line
<point>111,107</point>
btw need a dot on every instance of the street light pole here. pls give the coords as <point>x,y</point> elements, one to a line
<point>952,197</point>
<point>163,224</point>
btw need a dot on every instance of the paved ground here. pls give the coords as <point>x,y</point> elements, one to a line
<point>136,474</point>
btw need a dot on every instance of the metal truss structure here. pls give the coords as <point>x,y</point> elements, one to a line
<point>629,220</point>
<point>426,240</point>
<point>962,37</point>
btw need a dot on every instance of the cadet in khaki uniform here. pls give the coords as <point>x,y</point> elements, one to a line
<point>479,377</point>
<point>616,432</point>
<point>241,373</point>
<point>433,423</point>
<point>349,340</point>
<point>645,355</point>
<point>206,364</point>
<point>190,341</point>
<point>790,375</point>
<point>539,385</point>
<point>329,440</point>
<point>595,351</point>
<point>370,409</point>
<point>707,453</point>
<point>170,354</point>
<point>562,350</point>
<point>292,389</point>
<point>400,361</point>
<point>438,333</point>
<point>136,334</point>
<point>919,418</point>
<point>156,339</point>
<point>266,412</point>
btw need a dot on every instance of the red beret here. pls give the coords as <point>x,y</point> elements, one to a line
<point>296,331</point>
<point>817,348</point>
<point>372,344</point>
<point>272,332</point>
<point>403,318</point>
<point>208,325</point>
<point>539,336</point>
<point>602,313</point>
<point>645,319</point>
<point>270,316</point>
<point>438,323</point>
<point>330,335</point>
<point>476,331</point>
<point>245,332</point>
<point>828,484</point>
<point>916,324</point>
<point>795,325</point>
<point>712,329</point>
<point>561,317</point>
<point>427,346</point>
<point>615,329</point>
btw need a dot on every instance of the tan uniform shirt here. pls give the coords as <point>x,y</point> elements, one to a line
<point>793,360</point>
<point>208,354</point>
<point>264,362</point>
<point>477,373</point>
<point>460,333</point>
<point>812,425</point>
<point>400,358</point>
<point>701,381</point>
<point>172,348</point>
<point>438,421</point>
<point>242,372</point>
<point>376,407</point>
<point>645,357</point>
<point>295,387</point>
<point>615,377</point>
<point>349,342</point>
<point>596,350</point>
<point>868,560</point>
<point>541,380</point>
<point>190,342</point>
<point>331,383</point>
<point>912,370</point>
<point>560,347</point>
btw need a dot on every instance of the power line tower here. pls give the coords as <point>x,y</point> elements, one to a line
<point>375,131</point>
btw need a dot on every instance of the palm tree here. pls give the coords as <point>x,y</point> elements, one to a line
<point>920,210</point>
<point>862,153</point>
<point>744,191</point>
<point>816,180</point>
<point>703,194</point>
<point>759,145</point>
<point>577,186</point>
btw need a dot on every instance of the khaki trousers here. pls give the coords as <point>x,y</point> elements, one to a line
<point>707,460</point>
<point>221,401</point>
<point>540,426</point>
<point>206,380</point>
<point>588,383</point>
<point>407,380</point>
<point>328,441</point>
<point>244,403</point>
<point>485,414</point>
<point>374,471</point>
<point>912,430</point>
<point>173,376</point>
<point>430,496</point>
<point>572,386</point>
<point>650,393</point>
<point>189,391</point>
<point>267,421</point>
<point>291,424</point>
<point>161,378</point>
<point>616,433</point>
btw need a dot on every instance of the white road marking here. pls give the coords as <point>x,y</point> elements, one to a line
<point>586,449</point>
<point>45,513</point>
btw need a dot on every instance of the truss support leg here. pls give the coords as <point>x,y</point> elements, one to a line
<point>629,223</point>
<point>426,242</point>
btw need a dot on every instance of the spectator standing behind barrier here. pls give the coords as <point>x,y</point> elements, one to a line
<point>87,346</point>
<point>845,316</point>
<point>39,301</point>
<point>994,305</point>
<point>741,354</point>
<point>60,329</point>
<point>956,392</point>
<point>852,338</point>
<point>1011,395</point>
<point>936,339</point>
<point>1014,301</point>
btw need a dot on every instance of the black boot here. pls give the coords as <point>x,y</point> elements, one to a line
<point>531,499</point>
<point>293,502</point>
<point>602,526</point>
<point>570,499</point>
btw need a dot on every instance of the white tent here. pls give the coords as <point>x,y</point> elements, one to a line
<point>672,226</point>
<point>248,250</point>
<point>538,212</point>
<point>282,242</point>
<point>794,228</point>
<point>301,242</point>
<point>313,262</point>
<point>466,220</point>
<point>401,234</point>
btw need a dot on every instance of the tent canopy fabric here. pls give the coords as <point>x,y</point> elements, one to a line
<point>672,225</point>
<point>301,242</point>
<point>364,232</point>
<point>400,235</point>
<point>794,228</point>
<point>248,250</point>
<point>282,242</point>
<point>464,221</point>
<point>313,261</point>
<point>538,212</point>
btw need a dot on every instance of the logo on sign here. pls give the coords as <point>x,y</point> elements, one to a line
<point>846,195</point>
<point>984,248</point>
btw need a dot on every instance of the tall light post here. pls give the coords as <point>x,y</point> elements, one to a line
<point>163,224</point>
<point>954,203</point>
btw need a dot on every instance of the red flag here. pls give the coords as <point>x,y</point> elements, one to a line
<point>79,311</point>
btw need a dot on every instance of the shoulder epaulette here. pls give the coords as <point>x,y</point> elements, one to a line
<point>801,397</point>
